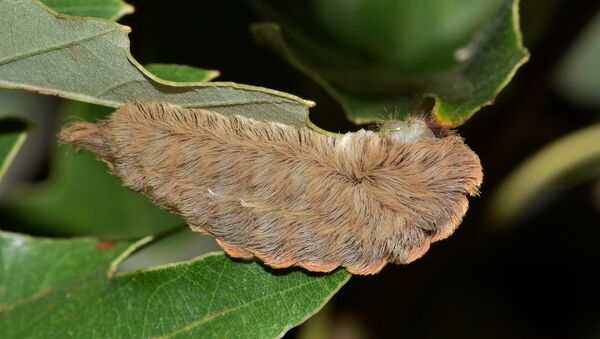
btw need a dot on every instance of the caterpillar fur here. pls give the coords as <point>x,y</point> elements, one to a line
<point>287,196</point>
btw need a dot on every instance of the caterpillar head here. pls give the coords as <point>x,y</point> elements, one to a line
<point>407,131</point>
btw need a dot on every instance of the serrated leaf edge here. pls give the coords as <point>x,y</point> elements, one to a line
<point>516,23</point>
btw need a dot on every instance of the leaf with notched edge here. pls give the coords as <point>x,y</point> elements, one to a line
<point>67,288</point>
<point>88,60</point>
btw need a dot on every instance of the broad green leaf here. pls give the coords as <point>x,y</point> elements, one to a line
<point>181,73</point>
<point>577,151</point>
<point>33,267</point>
<point>373,87</point>
<point>13,132</point>
<point>89,60</point>
<point>104,9</point>
<point>208,297</point>
<point>81,197</point>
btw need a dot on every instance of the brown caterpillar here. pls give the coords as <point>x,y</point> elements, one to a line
<point>292,197</point>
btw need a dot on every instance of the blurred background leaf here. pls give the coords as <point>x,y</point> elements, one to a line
<point>384,58</point>
<point>81,197</point>
<point>576,155</point>
<point>578,76</point>
<point>416,37</point>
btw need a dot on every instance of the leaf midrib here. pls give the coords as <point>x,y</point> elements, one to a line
<point>208,317</point>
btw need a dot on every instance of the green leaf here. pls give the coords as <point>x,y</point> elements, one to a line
<point>76,294</point>
<point>416,36</point>
<point>103,9</point>
<point>578,151</point>
<point>13,132</point>
<point>81,197</point>
<point>387,73</point>
<point>88,60</point>
<point>181,73</point>
<point>34,267</point>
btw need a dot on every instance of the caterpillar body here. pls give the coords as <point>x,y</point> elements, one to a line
<point>287,196</point>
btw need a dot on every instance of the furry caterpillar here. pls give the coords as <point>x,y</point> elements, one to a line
<point>292,197</point>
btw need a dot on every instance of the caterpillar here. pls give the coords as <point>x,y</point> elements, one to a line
<point>288,196</point>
